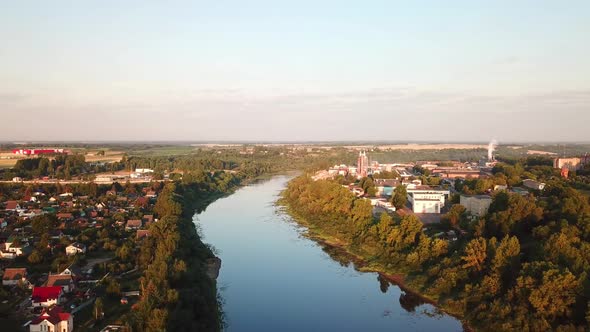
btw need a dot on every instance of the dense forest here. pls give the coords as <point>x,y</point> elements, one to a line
<point>524,266</point>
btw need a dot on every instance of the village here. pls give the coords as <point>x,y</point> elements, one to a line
<point>68,252</point>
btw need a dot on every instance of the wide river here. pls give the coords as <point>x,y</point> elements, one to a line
<point>275,279</point>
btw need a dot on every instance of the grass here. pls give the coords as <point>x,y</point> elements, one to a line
<point>163,151</point>
<point>7,163</point>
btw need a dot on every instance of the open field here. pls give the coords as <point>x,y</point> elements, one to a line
<point>421,146</point>
<point>7,163</point>
<point>109,156</point>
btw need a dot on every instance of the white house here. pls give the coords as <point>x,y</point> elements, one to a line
<point>52,320</point>
<point>75,248</point>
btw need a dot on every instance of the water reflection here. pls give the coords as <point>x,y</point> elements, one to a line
<point>273,278</point>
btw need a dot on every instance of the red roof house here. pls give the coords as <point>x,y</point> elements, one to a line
<point>46,296</point>
<point>53,319</point>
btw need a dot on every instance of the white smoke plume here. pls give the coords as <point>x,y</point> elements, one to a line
<point>491,149</point>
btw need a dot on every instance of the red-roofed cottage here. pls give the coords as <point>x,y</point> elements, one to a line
<point>47,296</point>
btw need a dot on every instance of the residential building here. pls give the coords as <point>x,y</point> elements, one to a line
<point>52,320</point>
<point>75,248</point>
<point>572,164</point>
<point>14,276</point>
<point>133,224</point>
<point>47,296</point>
<point>64,281</point>
<point>11,206</point>
<point>476,205</point>
<point>142,233</point>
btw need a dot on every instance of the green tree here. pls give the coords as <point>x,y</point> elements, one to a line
<point>399,197</point>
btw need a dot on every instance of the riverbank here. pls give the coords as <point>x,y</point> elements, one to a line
<point>363,262</point>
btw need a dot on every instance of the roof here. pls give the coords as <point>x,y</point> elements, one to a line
<point>134,223</point>
<point>53,315</point>
<point>78,245</point>
<point>42,294</point>
<point>143,233</point>
<point>64,215</point>
<point>11,205</point>
<point>59,280</point>
<point>14,273</point>
<point>486,197</point>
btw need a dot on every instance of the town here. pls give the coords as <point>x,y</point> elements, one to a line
<point>428,189</point>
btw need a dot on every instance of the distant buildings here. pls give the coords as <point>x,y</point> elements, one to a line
<point>572,164</point>
<point>363,164</point>
<point>29,152</point>
<point>476,205</point>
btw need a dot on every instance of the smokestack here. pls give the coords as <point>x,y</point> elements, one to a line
<point>491,149</point>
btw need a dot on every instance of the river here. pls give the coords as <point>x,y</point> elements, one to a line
<point>273,278</point>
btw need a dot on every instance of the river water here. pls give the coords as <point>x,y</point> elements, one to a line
<point>273,278</point>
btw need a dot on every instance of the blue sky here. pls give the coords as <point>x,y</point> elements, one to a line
<point>300,70</point>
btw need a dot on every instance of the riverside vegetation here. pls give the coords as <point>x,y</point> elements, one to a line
<point>524,266</point>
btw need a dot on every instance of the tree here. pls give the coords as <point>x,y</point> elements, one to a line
<point>399,197</point>
<point>35,257</point>
<point>98,308</point>
<point>454,214</point>
<point>556,293</point>
<point>475,254</point>
<point>384,225</point>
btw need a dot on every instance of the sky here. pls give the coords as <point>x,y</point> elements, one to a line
<point>295,70</point>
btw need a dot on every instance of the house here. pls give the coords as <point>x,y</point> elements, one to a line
<point>477,205</point>
<point>54,320</point>
<point>148,218</point>
<point>141,233</point>
<point>17,248</point>
<point>500,187</point>
<point>532,184</point>
<point>64,281</point>
<point>11,206</point>
<point>47,296</point>
<point>55,234</point>
<point>75,248</point>
<point>133,224</point>
<point>151,194</point>
<point>73,271</point>
<point>13,276</point>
